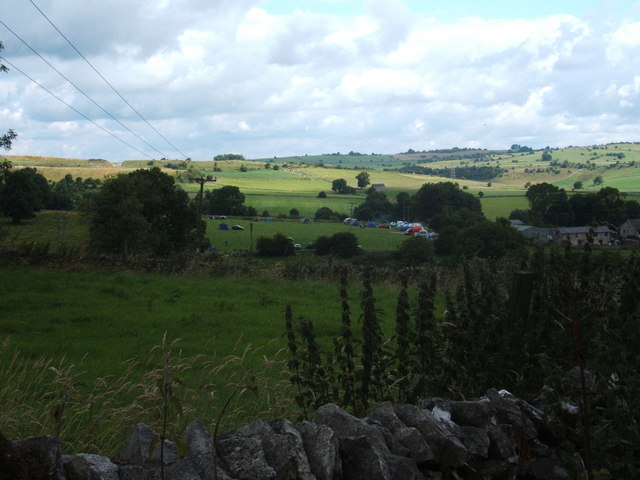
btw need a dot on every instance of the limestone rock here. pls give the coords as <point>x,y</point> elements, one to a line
<point>448,450</point>
<point>323,450</point>
<point>91,467</point>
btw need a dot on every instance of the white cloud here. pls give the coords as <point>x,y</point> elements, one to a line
<point>228,75</point>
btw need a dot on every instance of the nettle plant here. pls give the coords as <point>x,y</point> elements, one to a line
<point>563,318</point>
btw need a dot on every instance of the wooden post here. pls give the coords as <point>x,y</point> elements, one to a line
<point>201,180</point>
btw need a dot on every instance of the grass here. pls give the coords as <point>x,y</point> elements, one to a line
<point>100,328</point>
<point>55,228</point>
<point>71,229</point>
<point>230,240</point>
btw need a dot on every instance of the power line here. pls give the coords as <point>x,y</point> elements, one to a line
<point>4,59</point>
<point>80,90</point>
<point>105,80</point>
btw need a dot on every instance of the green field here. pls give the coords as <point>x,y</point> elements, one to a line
<point>107,327</point>
<point>231,240</point>
<point>299,179</point>
<point>71,229</point>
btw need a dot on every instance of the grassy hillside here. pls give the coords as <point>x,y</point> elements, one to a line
<point>297,180</point>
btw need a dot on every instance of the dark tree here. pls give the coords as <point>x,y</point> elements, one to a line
<point>363,179</point>
<point>375,206</point>
<point>228,200</point>
<point>415,251</point>
<point>339,185</point>
<point>23,193</point>
<point>277,246</point>
<point>519,214</point>
<point>5,168</point>
<point>403,205</point>
<point>342,244</point>
<point>324,213</point>
<point>487,239</point>
<point>549,205</point>
<point>143,212</point>
<point>435,198</point>
<point>7,139</point>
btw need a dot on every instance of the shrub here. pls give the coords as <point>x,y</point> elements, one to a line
<point>322,195</point>
<point>342,244</point>
<point>276,246</point>
<point>415,250</point>
<point>324,213</point>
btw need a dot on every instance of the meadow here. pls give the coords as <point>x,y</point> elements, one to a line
<point>102,339</point>
<point>299,179</point>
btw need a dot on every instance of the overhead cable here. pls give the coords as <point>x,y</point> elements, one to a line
<point>81,91</point>
<point>4,59</point>
<point>105,80</point>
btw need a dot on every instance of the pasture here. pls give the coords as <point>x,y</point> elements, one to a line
<point>71,229</point>
<point>103,329</point>
<point>298,180</point>
<point>232,240</point>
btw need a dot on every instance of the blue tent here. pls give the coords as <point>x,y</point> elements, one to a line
<point>372,225</point>
<point>223,226</point>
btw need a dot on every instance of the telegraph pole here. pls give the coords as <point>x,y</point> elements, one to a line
<point>201,180</point>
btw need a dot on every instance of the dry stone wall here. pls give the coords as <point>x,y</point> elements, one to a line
<point>495,437</point>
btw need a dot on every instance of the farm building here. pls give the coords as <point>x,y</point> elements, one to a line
<point>578,236</point>
<point>630,229</point>
<point>378,187</point>
<point>535,235</point>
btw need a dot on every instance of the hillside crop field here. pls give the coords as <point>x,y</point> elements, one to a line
<point>298,180</point>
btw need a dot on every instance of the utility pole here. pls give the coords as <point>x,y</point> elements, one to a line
<point>201,180</point>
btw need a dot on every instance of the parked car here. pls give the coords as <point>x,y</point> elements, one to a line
<point>413,230</point>
<point>424,234</point>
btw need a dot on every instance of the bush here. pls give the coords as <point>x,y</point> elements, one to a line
<point>324,213</point>
<point>322,195</point>
<point>276,246</point>
<point>415,251</point>
<point>342,244</point>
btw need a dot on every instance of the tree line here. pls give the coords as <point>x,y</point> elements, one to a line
<point>551,206</point>
<point>482,173</point>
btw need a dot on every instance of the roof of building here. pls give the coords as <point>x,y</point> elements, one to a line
<point>585,230</point>
<point>635,222</point>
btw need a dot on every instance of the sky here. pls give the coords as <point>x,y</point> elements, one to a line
<point>267,78</point>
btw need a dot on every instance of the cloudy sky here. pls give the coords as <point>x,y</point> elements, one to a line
<point>287,77</point>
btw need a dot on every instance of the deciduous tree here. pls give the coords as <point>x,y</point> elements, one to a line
<point>363,179</point>
<point>23,193</point>
<point>549,205</point>
<point>228,200</point>
<point>435,198</point>
<point>143,212</point>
